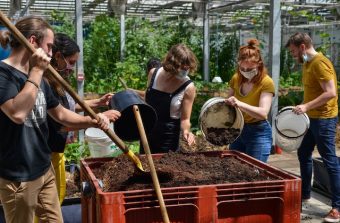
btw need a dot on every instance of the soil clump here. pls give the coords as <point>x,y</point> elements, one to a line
<point>201,145</point>
<point>177,169</point>
<point>222,136</point>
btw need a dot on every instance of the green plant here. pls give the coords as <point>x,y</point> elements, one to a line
<point>76,151</point>
<point>133,146</point>
<point>101,52</point>
<point>326,43</point>
<point>291,99</point>
<point>286,62</point>
<point>224,50</point>
<point>61,23</point>
<point>144,40</point>
<point>292,79</point>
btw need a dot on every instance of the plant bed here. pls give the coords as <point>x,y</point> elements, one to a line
<point>275,197</point>
<point>178,169</point>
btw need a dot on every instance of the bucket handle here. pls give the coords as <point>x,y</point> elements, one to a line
<point>276,120</point>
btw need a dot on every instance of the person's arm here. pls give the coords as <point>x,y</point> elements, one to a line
<point>18,108</point>
<point>260,112</point>
<point>94,103</point>
<point>188,100</point>
<point>329,92</point>
<point>73,120</point>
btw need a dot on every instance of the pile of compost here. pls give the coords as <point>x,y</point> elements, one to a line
<point>222,136</point>
<point>177,169</point>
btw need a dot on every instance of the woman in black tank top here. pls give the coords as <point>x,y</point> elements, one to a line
<point>166,83</point>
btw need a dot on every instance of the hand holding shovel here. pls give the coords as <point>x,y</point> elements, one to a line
<point>18,35</point>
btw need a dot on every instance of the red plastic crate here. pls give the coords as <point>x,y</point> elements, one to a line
<point>276,201</point>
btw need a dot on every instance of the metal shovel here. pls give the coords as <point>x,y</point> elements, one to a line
<point>18,35</point>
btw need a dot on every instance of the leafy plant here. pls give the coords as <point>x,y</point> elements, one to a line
<point>76,151</point>
<point>224,50</point>
<point>61,23</point>
<point>291,99</point>
<point>292,79</point>
<point>101,52</point>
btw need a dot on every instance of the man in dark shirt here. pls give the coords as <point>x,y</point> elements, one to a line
<point>27,181</point>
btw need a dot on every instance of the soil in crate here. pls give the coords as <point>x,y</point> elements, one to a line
<point>177,169</point>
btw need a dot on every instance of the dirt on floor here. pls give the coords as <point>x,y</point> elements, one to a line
<point>72,184</point>
<point>177,169</point>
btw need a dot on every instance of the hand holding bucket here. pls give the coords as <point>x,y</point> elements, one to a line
<point>290,129</point>
<point>219,118</point>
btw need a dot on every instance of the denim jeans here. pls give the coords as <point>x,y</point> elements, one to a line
<point>255,140</point>
<point>322,134</point>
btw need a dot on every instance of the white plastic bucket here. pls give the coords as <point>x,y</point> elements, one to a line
<point>100,145</point>
<point>290,129</point>
<point>215,113</point>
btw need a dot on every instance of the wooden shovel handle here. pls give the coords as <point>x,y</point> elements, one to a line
<point>151,164</point>
<point>65,85</point>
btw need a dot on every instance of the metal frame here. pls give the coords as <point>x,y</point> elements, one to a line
<point>155,9</point>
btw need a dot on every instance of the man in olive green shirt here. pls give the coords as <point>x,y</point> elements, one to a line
<point>320,102</point>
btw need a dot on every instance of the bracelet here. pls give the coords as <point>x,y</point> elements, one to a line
<point>32,82</point>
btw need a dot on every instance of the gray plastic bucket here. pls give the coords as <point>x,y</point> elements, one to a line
<point>126,126</point>
<point>215,113</point>
<point>290,129</point>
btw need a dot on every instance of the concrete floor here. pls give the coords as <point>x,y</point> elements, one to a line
<point>318,206</point>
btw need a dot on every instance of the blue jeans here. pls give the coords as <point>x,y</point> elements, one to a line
<point>255,140</point>
<point>321,133</point>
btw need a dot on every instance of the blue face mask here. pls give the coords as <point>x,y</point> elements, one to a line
<point>183,73</point>
<point>305,58</point>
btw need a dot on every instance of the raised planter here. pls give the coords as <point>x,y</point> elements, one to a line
<point>276,201</point>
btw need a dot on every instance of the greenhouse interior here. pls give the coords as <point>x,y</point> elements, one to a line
<point>116,41</point>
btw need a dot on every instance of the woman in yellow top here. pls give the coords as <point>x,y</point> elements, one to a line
<point>252,91</point>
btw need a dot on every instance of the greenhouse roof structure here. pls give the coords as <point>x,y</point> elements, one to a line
<point>226,12</point>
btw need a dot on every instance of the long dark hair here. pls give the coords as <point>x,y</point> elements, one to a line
<point>67,47</point>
